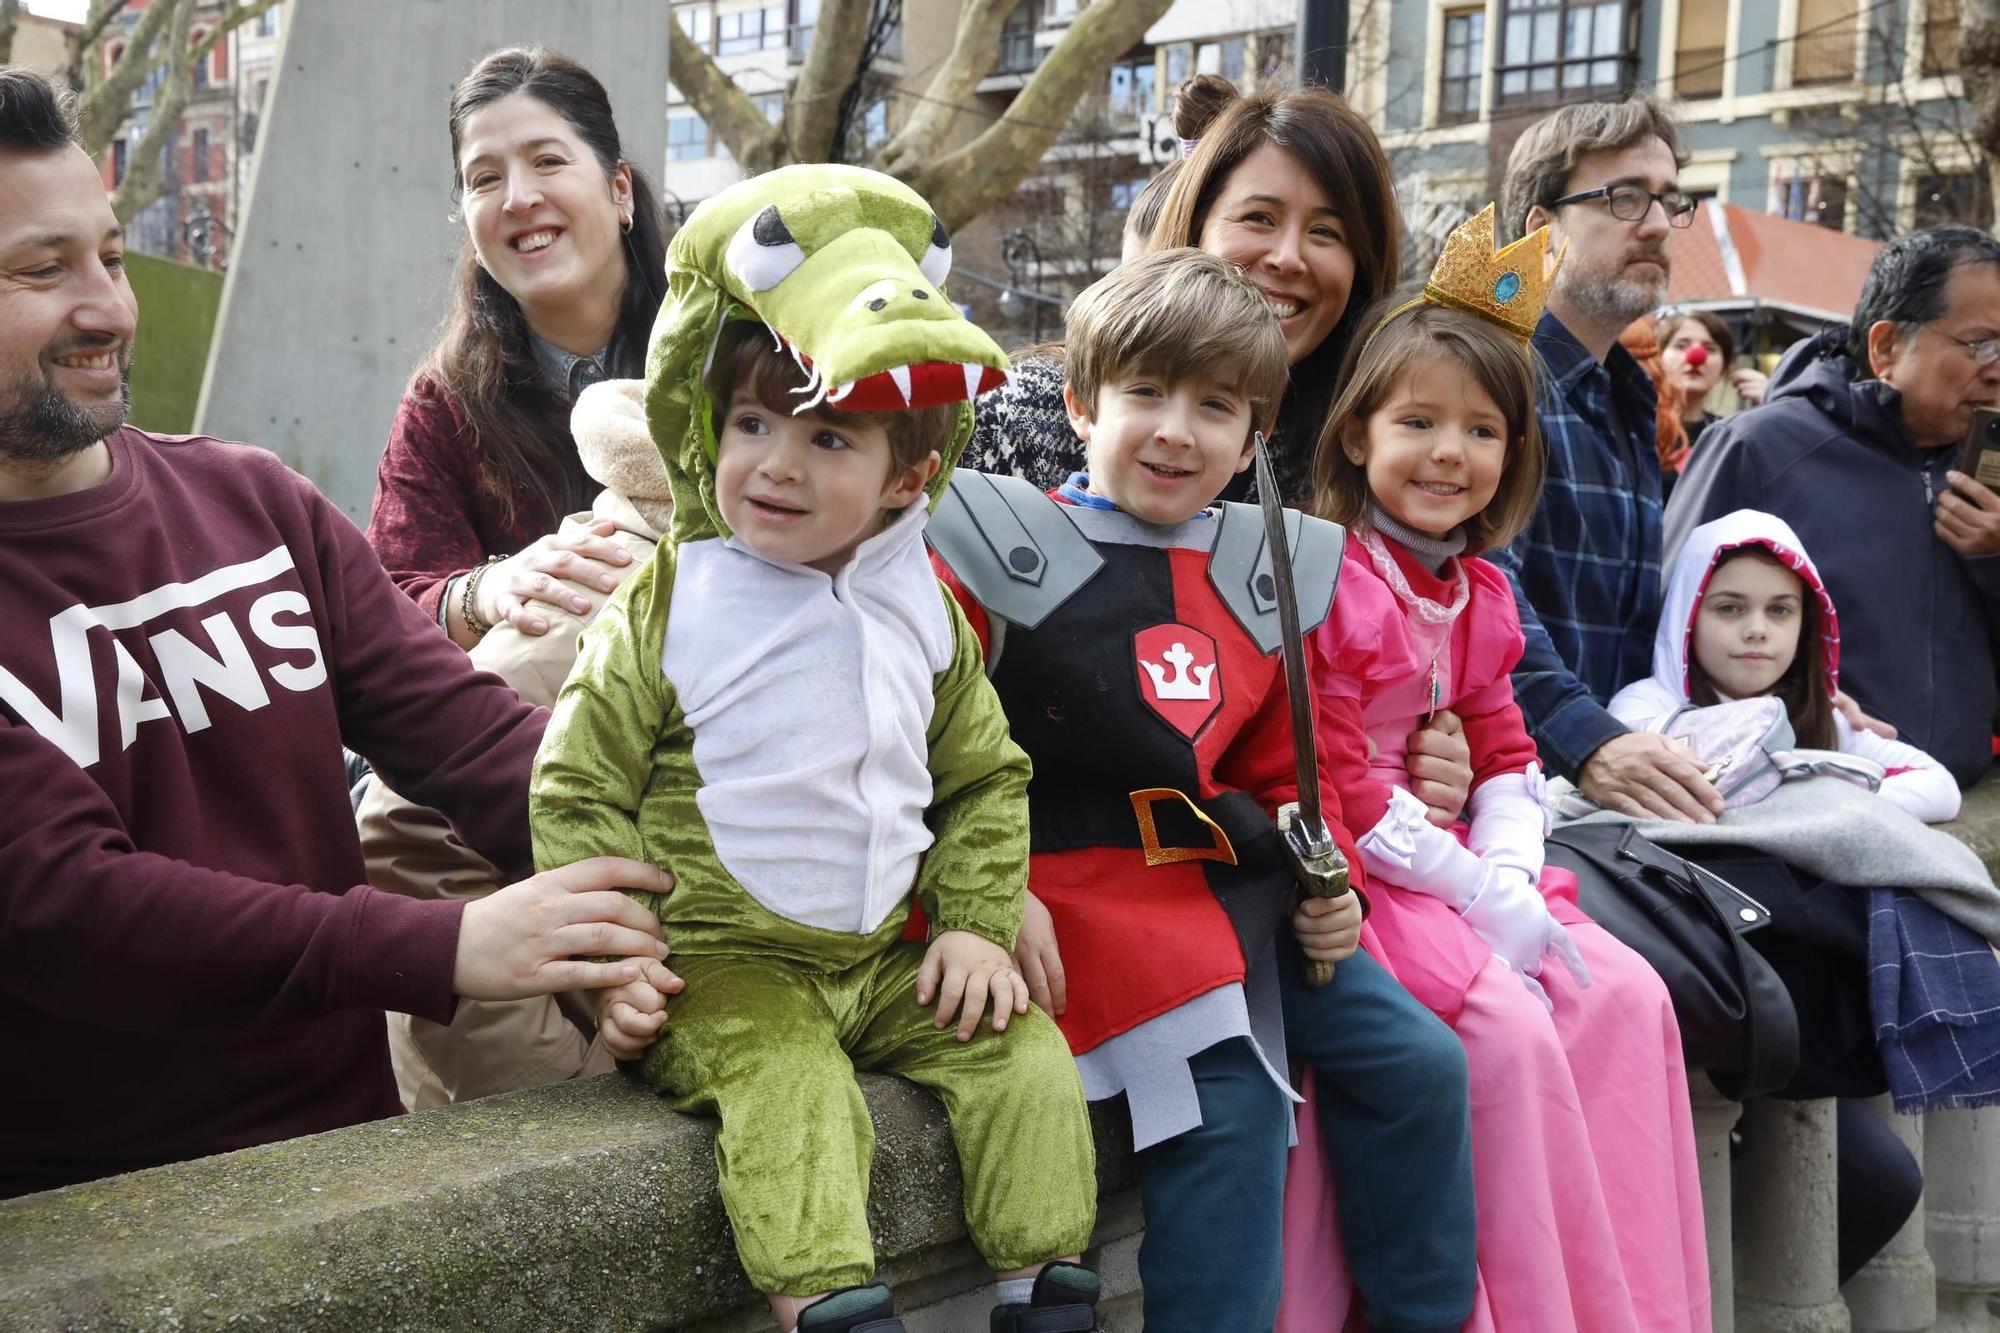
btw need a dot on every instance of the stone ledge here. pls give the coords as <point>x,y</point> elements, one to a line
<point>585,1205</point>
<point>1978,823</point>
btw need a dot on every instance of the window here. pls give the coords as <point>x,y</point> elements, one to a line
<point>118,151</point>
<point>1060,11</point>
<point>772,105</point>
<point>1820,200</point>
<point>1551,50</point>
<point>869,131</point>
<point>1232,60</point>
<point>1464,55</point>
<point>198,157</point>
<point>1958,196</point>
<point>749,30</point>
<point>1017,42</point>
<point>687,137</point>
<point>799,33</point>
<point>1941,36</point>
<point>1824,49</point>
<point>267,23</point>
<point>698,22</point>
<point>1274,56</point>
<point>1126,193</point>
<point>200,66</point>
<point>1179,64</point>
<point>1698,55</point>
<point>1131,90</point>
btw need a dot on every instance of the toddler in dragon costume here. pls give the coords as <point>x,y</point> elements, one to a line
<point>786,710</point>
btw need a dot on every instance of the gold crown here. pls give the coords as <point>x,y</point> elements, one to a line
<point>1509,287</point>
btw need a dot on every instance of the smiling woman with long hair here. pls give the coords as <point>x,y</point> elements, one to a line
<point>558,279</point>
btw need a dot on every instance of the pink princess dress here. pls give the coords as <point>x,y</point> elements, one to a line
<point>1588,1199</point>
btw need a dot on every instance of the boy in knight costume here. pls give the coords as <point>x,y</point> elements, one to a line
<point>1132,632</point>
<point>786,710</point>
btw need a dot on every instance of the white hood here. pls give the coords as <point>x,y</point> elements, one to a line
<point>1644,702</point>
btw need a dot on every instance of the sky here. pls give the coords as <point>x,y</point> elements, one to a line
<point>73,10</point>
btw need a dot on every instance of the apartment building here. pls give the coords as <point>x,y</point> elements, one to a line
<point>1844,113</point>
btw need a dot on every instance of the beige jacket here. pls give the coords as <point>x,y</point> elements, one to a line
<point>500,1046</point>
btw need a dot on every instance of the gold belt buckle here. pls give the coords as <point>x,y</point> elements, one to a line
<point>1149,837</point>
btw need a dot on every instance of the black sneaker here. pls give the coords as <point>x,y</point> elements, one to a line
<point>1064,1301</point>
<point>869,1309</point>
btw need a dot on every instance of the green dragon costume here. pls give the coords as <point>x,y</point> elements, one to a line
<point>805,751</point>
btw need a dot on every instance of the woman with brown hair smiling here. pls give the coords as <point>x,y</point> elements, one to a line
<point>559,277</point>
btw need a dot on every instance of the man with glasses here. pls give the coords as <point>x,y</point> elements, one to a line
<point>1586,573</point>
<point>1856,447</point>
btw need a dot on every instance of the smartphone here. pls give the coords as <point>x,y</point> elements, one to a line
<point>1980,457</point>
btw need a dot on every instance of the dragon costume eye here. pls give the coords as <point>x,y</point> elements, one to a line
<point>936,263</point>
<point>763,254</point>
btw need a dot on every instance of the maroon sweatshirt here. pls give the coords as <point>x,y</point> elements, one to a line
<point>186,965</point>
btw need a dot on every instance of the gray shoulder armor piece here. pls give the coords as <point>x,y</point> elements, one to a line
<point>1240,569</point>
<point>1011,546</point>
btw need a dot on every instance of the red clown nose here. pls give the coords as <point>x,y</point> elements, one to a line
<point>1695,358</point>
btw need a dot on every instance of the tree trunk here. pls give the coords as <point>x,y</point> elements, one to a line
<point>973,53</point>
<point>965,183</point>
<point>755,143</point>
<point>812,108</point>
<point>1979,67</point>
<point>10,15</point>
<point>144,182</point>
<point>107,104</point>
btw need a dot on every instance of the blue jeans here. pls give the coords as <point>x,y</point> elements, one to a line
<point>1214,1201</point>
<point>1396,1116</point>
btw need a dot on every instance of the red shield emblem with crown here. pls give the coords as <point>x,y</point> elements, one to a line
<point>1179,675</point>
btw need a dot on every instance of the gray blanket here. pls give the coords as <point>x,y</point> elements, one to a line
<point>1839,831</point>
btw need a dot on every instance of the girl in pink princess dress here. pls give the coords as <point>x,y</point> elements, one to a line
<point>1588,1201</point>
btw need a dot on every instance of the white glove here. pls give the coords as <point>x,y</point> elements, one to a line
<point>1509,821</point>
<point>1511,917</point>
<point>1407,850</point>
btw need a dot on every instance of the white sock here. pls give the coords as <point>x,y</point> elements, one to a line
<point>1016,1290</point>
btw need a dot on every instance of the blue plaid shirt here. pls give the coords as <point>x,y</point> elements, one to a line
<point>1586,573</point>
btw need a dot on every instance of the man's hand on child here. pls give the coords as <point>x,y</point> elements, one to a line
<point>533,937</point>
<point>961,972</point>
<point>1328,929</point>
<point>1859,719</point>
<point>1039,961</point>
<point>630,1016</point>
<point>1439,762</point>
<point>1649,776</point>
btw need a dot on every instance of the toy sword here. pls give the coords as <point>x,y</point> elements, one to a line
<point>1316,858</point>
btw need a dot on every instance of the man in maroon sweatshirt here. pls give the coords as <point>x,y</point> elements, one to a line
<point>189,961</point>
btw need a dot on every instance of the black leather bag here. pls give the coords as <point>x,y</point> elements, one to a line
<point>1736,1018</point>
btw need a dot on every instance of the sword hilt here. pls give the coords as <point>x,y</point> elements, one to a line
<point>1321,870</point>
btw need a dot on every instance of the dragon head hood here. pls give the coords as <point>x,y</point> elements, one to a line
<point>846,267</point>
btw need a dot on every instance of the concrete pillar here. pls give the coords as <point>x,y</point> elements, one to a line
<point>1897,1291</point>
<point>1714,1116</point>
<point>1786,1271</point>
<point>1962,1214</point>
<point>341,265</point>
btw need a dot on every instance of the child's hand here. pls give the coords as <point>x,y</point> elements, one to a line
<point>961,970</point>
<point>1328,929</point>
<point>1038,960</point>
<point>629,1017</point>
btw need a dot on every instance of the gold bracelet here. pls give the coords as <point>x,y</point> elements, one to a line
<point>468,593</point>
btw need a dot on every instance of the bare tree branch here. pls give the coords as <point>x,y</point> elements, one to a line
<point>144,181</point>
<point>755,143</point>
<point>84,40</point>
<point>10,15</point>
<point>244,11</point>
<point>812,109</point>
<point>964,183</point>
<point>106,105</point>
<point>974,50</point>
<point>1979,67</point>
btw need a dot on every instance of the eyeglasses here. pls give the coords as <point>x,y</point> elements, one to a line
<point>1986,351</point>
<point>1628,203</point>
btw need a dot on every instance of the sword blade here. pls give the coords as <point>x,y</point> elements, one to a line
<point>1298,687</point>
